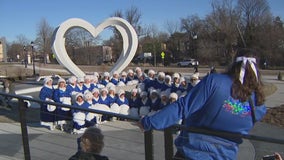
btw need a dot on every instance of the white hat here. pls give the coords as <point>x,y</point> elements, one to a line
<point>120,92</point>
<point>96,90</point>
<point>176,75</point>
<point>106,74</point>
<point>79,95</point>
<point>151,71</point>
<point>134,90</point>
<point>87,77</point>
<point>104,89</point>
<point>130,71</point>
<point>173,95</point>
<point>61,80</point>
<point>161,74</point>
<point>153,91</point>
<point>47,79</point>
<point>168,77</point>
<point>72,79</point>
<point>96,74</point>
<point>80,79</point>
<point>138,69</point>
<point>182,79</point>
<point>195,75</point>
<point>164,93</point>
<point>143,93</point>
<point>115,73</point>
<point>123,73</point>
<point>112,88</point>
<point>88,95</point>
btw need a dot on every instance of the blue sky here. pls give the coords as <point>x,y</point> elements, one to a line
<point>21,17</point>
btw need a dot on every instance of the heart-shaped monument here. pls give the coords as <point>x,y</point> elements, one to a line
<point>129,36</point>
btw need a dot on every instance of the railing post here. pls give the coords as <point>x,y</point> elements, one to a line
<point>168,143</point>
<point>25,138</point>
<point>148,141</point>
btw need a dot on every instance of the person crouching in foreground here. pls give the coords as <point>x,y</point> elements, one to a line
<point>229,102</point>
<point>90,145</point>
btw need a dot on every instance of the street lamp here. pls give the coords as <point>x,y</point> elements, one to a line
<point>26,57</point>
<point>33,57</point>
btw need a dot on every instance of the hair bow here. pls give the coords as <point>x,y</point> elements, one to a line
<point>245,60</point>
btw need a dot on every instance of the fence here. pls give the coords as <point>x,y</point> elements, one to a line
<point>148,142</point>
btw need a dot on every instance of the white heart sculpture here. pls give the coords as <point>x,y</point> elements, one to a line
<point>129,36</point>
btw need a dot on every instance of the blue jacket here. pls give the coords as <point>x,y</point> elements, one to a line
<point>90,87</point>
<point>134,103</point>
<point>45,115</point>
<point>114,81</point>
<point>120,102</point>
<point>106,101</point>
<point>208,105</point>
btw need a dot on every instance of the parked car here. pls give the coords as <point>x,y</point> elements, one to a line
<point>188,63</point>
<point>143,57</point>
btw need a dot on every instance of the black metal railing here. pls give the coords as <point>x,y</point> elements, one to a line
<point>148,135</point>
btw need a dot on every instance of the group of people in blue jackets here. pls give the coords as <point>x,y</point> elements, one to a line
<point>150,92</point>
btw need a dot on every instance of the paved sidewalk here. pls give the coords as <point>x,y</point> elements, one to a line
<point>277,98</point>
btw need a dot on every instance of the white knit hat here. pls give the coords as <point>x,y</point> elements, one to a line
<point>112,88</point>
<point>194,76</point>
<point>173,95</point>
<point>47,79</point>
<point>138,69</point>
<point>176,75</point>
<point>87,77</point>
<point>123,73</point>
<point>79,95</point>
<point>96,90</point>
<point>115,73</point>
<point>161,74</point>
<point>80,79</point>
<point>164,93</point>
<point>130,71</point>
<point>143,93</point>
<point>134,90</point>
<point>120,92</point>
<point>104,89</point>
<point>151,71</point>
<point>106,74</point>
<point>61,80</point>
<point>182,79</point>
<point>88,95</point>
<point>72,79</point>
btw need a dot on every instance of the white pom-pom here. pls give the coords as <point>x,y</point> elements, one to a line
<point>115,108</point>
<point>79,118</point>
<point>51,108</point>
<point>90,116</point>
<point>124,109</point>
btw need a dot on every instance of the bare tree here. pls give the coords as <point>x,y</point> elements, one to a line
<point>44,37</point>
<point>118,13</point>
<point>172,26</point>
<point>254,14</point>
<point>22,39</point>
<point>133,16</point>
<point>79,37</point>
<point>222,29</point>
